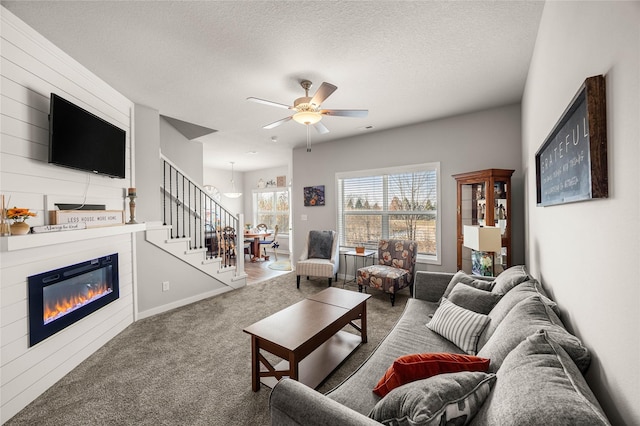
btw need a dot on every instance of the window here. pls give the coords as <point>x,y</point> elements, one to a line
<point>272,208</point>
<point>398,202</point>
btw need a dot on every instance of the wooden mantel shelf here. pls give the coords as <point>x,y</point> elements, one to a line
<point>21,242</point>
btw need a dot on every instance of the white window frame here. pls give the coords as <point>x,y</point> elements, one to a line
<point>254,202</point>
<point>434,166</point>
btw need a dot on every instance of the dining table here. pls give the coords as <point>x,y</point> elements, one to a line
<point>255,249</point>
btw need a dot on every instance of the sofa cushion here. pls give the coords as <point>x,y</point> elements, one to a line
<point>320,243</point>
<point>526,318</point>
<point>506,303</point>
<point>538,384</point>
<point>408,336</point>
<point>473,299</point>
<point>451,398</point>
<point>510,278</point>
<point>409,368</point>
<point>460,326</point>
<point>462,277</point>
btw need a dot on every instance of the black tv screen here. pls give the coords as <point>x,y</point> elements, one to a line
<point>80,140</point>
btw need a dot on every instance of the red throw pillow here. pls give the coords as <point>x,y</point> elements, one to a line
<point>409,368</point>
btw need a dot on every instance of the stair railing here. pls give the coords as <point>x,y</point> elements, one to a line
<point>194,214</point>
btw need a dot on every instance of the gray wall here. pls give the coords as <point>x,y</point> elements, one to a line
<point>184,153</point>
<point>587,253</point>
<point>186,283</point>
<point>148,168</point>
<point>464,143</point>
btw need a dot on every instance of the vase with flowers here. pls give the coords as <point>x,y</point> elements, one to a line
<point>19,217</point>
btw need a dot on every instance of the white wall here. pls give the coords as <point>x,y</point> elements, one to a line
<point>31,69</point>
<point>476,141</point>
<point>587,253</point>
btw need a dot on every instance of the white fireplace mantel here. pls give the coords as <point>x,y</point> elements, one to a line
<point>21,242</point>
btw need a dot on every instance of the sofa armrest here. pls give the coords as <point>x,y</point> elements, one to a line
<point>292,403</point>
<point>430,286</point>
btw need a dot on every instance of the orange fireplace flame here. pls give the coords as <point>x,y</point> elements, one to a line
<point>58,308</point>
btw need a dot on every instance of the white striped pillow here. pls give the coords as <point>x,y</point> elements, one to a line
<point>458,325</point>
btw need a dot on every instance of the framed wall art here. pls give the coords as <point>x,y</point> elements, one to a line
<point>314,195</point>
<point>571,164</point>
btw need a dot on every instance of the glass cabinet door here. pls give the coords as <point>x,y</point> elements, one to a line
<point>484,199</point>
<point>473,212</point>
<point>501,206</point>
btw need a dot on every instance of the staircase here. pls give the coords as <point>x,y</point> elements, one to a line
<point>193,228</point>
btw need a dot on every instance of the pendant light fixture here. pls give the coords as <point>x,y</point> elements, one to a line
<point>233,193</point>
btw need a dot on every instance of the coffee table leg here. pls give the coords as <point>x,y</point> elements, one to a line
<point>363,322</point>
<point>255,364</point>
<point>293,367</point>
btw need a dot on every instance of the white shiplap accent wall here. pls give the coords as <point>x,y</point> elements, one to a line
<point>31,69</point>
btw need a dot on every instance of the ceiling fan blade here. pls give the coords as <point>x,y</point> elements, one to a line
<point>321,128</point>
<point>265,102</point>
<point>346,112</point>
<point>324,91</point>
<point>277,123</point>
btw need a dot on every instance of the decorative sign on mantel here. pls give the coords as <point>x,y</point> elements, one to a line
<point>571,165</point>
<point>92,218</point>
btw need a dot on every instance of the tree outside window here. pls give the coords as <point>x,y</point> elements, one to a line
<point>391,203</point>
<point>272,208</point>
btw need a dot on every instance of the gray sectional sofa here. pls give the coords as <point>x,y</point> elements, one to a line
<point>535,375</point>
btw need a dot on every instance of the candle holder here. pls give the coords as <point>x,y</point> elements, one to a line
<point>132,206</point>
<point>5,230</point>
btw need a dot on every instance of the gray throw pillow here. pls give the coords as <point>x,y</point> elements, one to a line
<point>320,243</point>
<point>526,318</point>
<point>510,278</point>
<point>460,326</point>
<point>464,278</point>
<point>473,299</point>
<point>450,398</point>
<point>538,384</point>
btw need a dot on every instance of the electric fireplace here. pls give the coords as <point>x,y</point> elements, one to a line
<point>64,296</point>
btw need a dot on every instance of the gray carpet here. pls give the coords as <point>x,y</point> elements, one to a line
<point>190,366</point>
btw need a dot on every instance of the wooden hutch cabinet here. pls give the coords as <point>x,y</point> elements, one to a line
<point>484,198</point>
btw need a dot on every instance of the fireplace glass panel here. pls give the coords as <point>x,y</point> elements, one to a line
<point>71,294</point>
<point>64,296</point>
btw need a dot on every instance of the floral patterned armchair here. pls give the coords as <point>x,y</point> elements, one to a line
<point>395,268</point>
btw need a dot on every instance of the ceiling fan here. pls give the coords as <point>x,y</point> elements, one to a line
<point>307,109</point>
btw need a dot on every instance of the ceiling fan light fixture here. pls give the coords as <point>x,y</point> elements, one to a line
<point>307,117</point>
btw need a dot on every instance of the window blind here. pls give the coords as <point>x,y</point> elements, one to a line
<point>397,203</point>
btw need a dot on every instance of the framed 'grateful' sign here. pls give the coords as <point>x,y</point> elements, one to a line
<point>571,164</point>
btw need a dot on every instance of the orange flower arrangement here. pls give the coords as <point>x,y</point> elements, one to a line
<point>19,215</point>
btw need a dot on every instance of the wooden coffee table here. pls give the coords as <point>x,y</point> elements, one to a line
<point>308,337</point>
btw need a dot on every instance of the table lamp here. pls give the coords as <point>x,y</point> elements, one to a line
<point>484,242</point>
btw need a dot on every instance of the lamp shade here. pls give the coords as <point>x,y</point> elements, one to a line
<point>233,193</point>
<point>482,238</point>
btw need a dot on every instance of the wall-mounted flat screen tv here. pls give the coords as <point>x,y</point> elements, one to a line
<point>80,140</point>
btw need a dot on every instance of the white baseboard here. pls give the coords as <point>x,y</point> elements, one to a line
<point>183,302</point>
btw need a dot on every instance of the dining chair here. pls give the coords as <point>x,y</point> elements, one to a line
<point>272,242</point>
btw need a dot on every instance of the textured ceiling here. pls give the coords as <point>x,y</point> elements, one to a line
<point>404,61</point>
